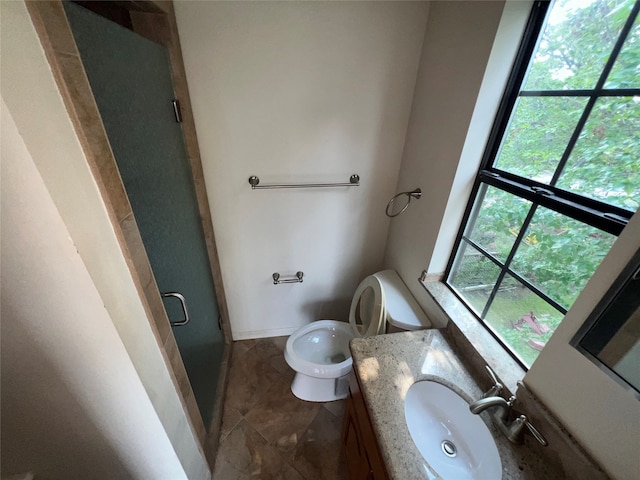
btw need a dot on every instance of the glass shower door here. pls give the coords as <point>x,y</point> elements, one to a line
<point>131,80</point>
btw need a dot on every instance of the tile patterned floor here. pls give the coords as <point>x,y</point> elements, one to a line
<point>269,434</point>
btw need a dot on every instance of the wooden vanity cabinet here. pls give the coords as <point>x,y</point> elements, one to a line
<point>361,451</point>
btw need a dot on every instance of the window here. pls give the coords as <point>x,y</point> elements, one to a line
<point>560,176</point>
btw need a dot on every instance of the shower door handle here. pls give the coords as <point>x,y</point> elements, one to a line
<point>183,302</point>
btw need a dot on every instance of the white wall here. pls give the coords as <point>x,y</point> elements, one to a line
<point>503,52</point>
<point>299,92</point>
<point>457,46</point>
<point>73,405</point>
<point>35,104</point>
<point>601,414</point>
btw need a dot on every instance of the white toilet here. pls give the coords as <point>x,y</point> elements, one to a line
<point>319,352</point>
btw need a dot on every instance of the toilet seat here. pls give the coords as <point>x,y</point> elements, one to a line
<point>367,313</point>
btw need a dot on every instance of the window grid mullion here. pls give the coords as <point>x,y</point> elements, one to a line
<point>574,139</point>
<point>531,286</point>
<point>605,92</point>
<point>624,33</point>
<point>537,291</point>
<point>507,262</point>
<point>596,92</point>
<point>484,251</point>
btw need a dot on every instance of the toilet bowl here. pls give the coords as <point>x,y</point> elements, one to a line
<point>319,352</point>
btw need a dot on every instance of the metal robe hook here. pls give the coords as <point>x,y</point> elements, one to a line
<point>417,193</point>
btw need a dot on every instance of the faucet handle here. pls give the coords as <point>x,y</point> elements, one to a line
<point>536,434</point>
<point>516,431</point>
<point>497,386</point>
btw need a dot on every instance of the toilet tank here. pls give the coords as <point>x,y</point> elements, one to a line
<point>403,310</point>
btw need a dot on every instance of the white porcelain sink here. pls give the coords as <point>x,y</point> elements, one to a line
<point>454,442</point>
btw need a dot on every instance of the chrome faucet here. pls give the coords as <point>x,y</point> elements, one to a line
<point>497,387</point>
<point>500,410</point>
<point>502,407</point>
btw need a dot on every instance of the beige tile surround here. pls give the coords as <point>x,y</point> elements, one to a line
<point>51,24</point>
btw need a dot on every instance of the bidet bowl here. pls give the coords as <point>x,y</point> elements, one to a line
<point>453,441</point>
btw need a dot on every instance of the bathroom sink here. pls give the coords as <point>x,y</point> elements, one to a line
<point>453,441</point>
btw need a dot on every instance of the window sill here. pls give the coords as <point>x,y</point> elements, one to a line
<point>475,345</point>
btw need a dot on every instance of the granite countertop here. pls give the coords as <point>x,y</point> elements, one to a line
<point>387,365</point>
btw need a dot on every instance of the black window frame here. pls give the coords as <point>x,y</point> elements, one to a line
<point>604,216</point>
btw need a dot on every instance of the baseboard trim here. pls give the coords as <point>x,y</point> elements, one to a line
<point>272,332</point>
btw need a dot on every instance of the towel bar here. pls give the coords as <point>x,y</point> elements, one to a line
<point>254,181</point>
